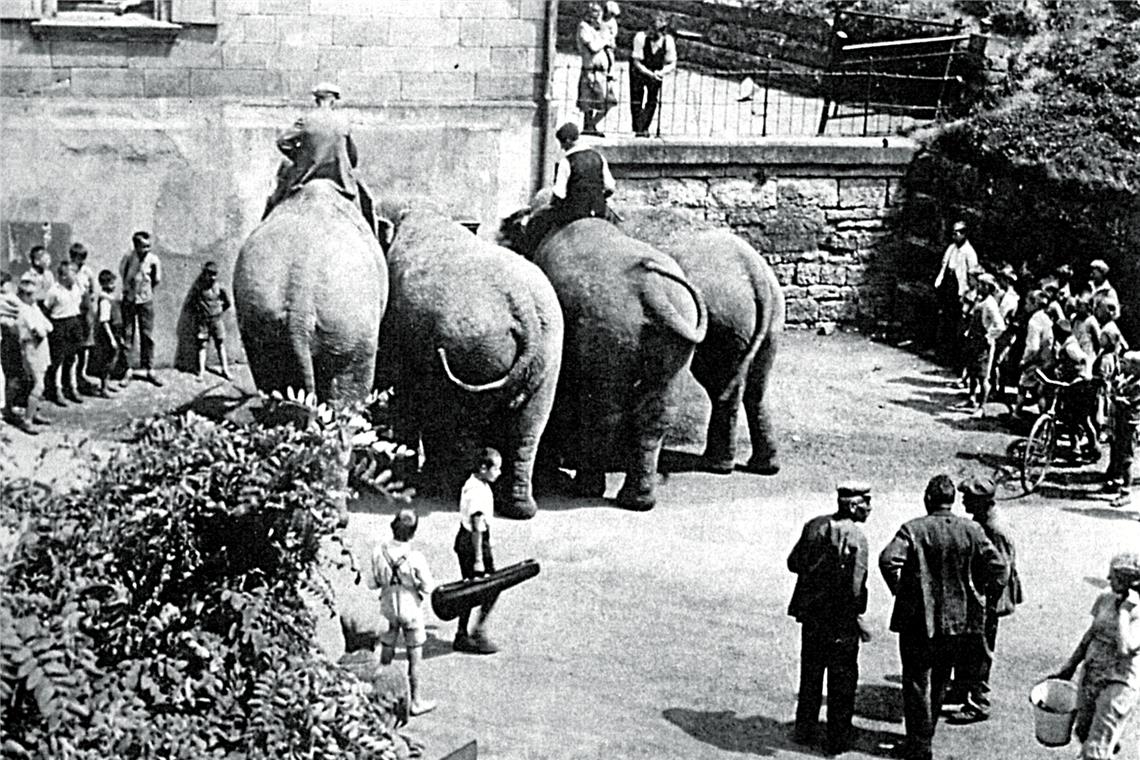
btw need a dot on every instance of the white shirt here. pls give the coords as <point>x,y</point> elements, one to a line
<point>63,302</point>
<point>1010,300</point>
<point>413,580</point>
<point>1038,340</point>
<point>476,498</point>
<point>961,259</point>
<point>562,172</point>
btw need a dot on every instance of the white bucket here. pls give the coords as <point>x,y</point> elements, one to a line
<point>1054,709</point>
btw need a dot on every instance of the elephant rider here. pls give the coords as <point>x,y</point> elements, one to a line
<point>319,146</point>
<point>582,182</point>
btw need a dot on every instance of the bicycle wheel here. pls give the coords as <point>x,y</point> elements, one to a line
<point>1038,452</point>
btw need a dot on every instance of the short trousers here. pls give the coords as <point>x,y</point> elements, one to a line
<point>211,327</point>
<point>412,626</point>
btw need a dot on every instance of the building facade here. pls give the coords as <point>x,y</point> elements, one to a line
<point>162,116</point>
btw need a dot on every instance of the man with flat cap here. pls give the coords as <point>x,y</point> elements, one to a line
<point>940,568</point>
<point>978,494</point>
<point>319,146</point>
<point>582,182</point>
<point>1098,282</point>
<point>830,560</point>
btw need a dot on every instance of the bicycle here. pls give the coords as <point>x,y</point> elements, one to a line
<point>1041,445</point>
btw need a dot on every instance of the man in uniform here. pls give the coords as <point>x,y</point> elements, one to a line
<point>831,594</point>
<point>940,568</point>
<point>319,146</point>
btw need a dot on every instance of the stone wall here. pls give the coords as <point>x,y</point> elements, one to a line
<point>111,134</point>
<point>818,210</point>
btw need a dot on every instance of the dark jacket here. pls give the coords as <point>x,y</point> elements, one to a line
<point>940,568</point>
<point>320,147</point>
<point>1010,595</point>
<point>831,561</point>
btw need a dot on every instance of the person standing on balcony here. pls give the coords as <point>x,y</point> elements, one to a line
<point>594,96</point>
<point>653,56</point>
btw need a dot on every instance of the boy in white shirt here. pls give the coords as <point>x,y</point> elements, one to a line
<point>473,545</point>
<point>402,576</point>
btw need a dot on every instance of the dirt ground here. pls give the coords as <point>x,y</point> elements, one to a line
<point>665,634</point>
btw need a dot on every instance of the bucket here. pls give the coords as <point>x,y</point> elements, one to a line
<point>1054,709</point>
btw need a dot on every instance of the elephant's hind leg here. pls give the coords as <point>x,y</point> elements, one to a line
<point>763,460</point>
<point>714,373</point>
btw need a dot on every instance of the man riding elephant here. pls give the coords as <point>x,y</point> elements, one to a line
<point>319,146</point>
<point>582,182</point>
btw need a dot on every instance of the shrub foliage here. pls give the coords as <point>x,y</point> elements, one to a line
<point>160,610</point>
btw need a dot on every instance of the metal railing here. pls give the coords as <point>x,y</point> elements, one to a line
<point>772,101</point>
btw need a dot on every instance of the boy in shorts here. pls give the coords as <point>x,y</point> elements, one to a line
<point>473,546</point>
<point>210,301</point>
<point>402,576</point>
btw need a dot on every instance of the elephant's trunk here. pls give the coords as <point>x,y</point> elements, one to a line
<point>763,284</point>
<point>692,333</point>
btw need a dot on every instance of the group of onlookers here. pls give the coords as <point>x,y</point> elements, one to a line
<point>953,579</point>
<point>653,55</point>
<point>1061,337</point>
<point>65,331</point>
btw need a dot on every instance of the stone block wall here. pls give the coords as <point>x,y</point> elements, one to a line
<point>111,133</point>
<point>380,51</point>
<point>817,210</point>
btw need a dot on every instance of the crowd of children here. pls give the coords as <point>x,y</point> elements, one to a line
<point>65,332</point>
<point>1062,336</point>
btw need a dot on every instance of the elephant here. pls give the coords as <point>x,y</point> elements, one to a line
<point>632,322</point>
<point>746,316</point>
<point>472,346</point>
<point>310,288</point>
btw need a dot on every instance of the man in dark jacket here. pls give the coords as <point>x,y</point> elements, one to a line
<point>940,568</point>
<point>831,561</point>
<point>978,499</point>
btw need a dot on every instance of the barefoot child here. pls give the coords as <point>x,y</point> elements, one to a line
<point>402,576</point>
<point>210,301</point>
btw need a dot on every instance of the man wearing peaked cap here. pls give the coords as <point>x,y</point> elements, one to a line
<point>978,497</point>
<point>830,560</point>
<point>1098,282</point>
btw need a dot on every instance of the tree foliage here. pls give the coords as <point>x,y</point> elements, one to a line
<point>1073,101</point>
<point>160,610</point>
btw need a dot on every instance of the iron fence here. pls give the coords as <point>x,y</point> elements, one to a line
<point>773,101</point>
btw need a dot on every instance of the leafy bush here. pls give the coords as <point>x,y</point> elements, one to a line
<point>160,609</point>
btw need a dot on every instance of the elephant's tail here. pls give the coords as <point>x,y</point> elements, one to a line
<point>692,333</point>
<point>763,284</point>
<point>528,355</point>
<point>494,385</point>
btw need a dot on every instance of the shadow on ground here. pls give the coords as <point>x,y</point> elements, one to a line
<point>879,701</point>
<point>760,735</point>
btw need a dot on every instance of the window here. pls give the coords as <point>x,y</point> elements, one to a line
<point>110,20</point>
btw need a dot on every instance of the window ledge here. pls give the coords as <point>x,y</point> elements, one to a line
<point>104,27</point>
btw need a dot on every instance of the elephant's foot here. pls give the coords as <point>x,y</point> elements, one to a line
<point>762,466</point>
<point>590,484</point>
<point>516,509</point>
<point>636,499</point>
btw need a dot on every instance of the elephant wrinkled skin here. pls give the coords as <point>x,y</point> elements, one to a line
<point>472,344</point>
<point>310,287</point>
<point>632,321</point>
<point>746,316</point>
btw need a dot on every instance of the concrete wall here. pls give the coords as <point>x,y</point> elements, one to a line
<point>817,209</point>
<point>102,138</point>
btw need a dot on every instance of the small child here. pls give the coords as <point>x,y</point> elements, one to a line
<point>33,329</point>
<point>1125,424</point>
<point>210,301</point>
<point>402,576</point>
<point>11,365</point>
<point>108,353</point>
<point>85,277</point>
<point>39,260</point>
<point>63,304</point>
<point>473,545</point>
